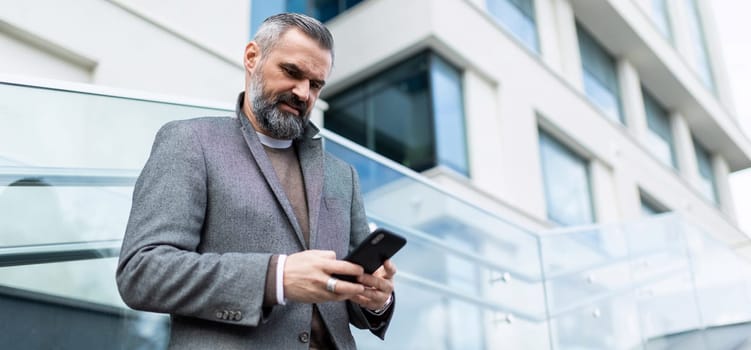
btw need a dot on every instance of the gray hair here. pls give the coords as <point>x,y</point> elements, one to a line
<point>273,27</point>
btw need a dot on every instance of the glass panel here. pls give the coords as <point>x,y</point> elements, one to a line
<point>347,116</point>
<point>325,10</point>
<point>411,113</point>
<point>42,214</point>
<point>73,171</point>
<point>606,324</point>
<point>66,181</point>
<point>566,179</point>
<point>260,10</point>
<point>462,267</point>
<point>658,12</point>
<point>402,126</point>
<point>699,56</point>
<point>518,17</point>
<point>448,111</point>
<point>600,75</point>
<point>660,136</point>
<point>706,172</point>
<point>350,3</point>
<point>661,18</point>
<point>723,280</point>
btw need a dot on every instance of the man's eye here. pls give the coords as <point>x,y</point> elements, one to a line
<point>316,85</point>
<point>291,72</point>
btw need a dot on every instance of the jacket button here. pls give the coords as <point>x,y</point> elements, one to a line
<point>219,314</point>
<point>238,316</point>
<point>304,337</point>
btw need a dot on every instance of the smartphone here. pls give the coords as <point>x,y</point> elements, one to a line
<point>380,245</point>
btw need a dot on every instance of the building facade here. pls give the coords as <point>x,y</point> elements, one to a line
<point>543,117</point>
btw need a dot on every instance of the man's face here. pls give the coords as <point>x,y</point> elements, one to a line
<point>285,84</point>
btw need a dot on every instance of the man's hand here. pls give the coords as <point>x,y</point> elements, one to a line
<point>378,287</point>
<point>306,273</point>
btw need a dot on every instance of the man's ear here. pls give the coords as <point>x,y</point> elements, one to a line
<point>252,56</point>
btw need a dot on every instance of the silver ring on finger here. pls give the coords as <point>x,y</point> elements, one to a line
<point>331,284</point>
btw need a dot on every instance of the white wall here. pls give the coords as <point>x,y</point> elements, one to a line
<point>128,50</point>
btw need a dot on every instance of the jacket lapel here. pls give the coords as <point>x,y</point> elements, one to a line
<point>259,154</point>
<point>310,153</point>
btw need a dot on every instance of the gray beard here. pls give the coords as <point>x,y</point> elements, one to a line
<point>275,122</point>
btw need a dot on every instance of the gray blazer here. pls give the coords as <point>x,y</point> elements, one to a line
<point>208,212</point>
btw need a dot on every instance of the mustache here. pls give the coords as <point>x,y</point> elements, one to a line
<point>293,101</point>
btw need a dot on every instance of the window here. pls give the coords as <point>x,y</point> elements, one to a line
<point>660,136</point>
<point>567,184</point>
<point>649,206</point>
<point>706,172</point>
<point>518,17</point>
<point>411,113</point>
<point>323,10</point>
<point>698,57</point>
<point>600,75</point>
<point>661,18</point>
<point>658,13</point>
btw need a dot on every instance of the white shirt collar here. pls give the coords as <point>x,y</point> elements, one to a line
<point>271,142</point>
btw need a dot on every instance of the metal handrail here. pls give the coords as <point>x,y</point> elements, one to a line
<point>41,176</point>
<point>58,252</point>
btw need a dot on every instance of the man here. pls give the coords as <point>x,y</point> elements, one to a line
<point>237,222</point>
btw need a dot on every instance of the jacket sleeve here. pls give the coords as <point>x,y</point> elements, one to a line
<point>377,324</point>
<point>160,267</point>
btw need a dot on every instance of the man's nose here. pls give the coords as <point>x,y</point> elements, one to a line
<point>302,90</point>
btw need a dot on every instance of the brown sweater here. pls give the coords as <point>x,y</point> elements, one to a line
<point>287,168</point>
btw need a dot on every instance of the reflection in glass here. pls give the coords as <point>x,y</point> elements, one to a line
<point>660,16</point>
<point>323,10</point>
<point>707,184</point>
<point>600,75</point>
<point>660,136</point>
<point>411,113</point>
<point>698,57</point>
<point>566,180</point>
<point>518,17</point>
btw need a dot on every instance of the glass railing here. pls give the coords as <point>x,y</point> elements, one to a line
<point>657,283</point>
<point>68,162</point>
<point>467,279</point>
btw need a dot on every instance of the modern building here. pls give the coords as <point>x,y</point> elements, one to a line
<point>560,167</point>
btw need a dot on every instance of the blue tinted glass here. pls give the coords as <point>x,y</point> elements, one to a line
<point>448,115</point>
<point>516,16</point>
<point>603,98</point>
<point>402,124</point>
<point>411,113</point>
<point>600,75</point>
<point>350,3</point>
<point>660,135</point>
<point>566,178</point>
<point>260,10</point>
<point>699,59</point>
<point>706,173</point>
<point>661,18</point>
<point>298,6</point>
<point>325,10</point>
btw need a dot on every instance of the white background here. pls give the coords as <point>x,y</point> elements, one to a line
<point>732,19</point>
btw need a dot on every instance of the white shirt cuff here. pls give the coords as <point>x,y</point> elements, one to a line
<point>280,280</point>
<point>385,306</point>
